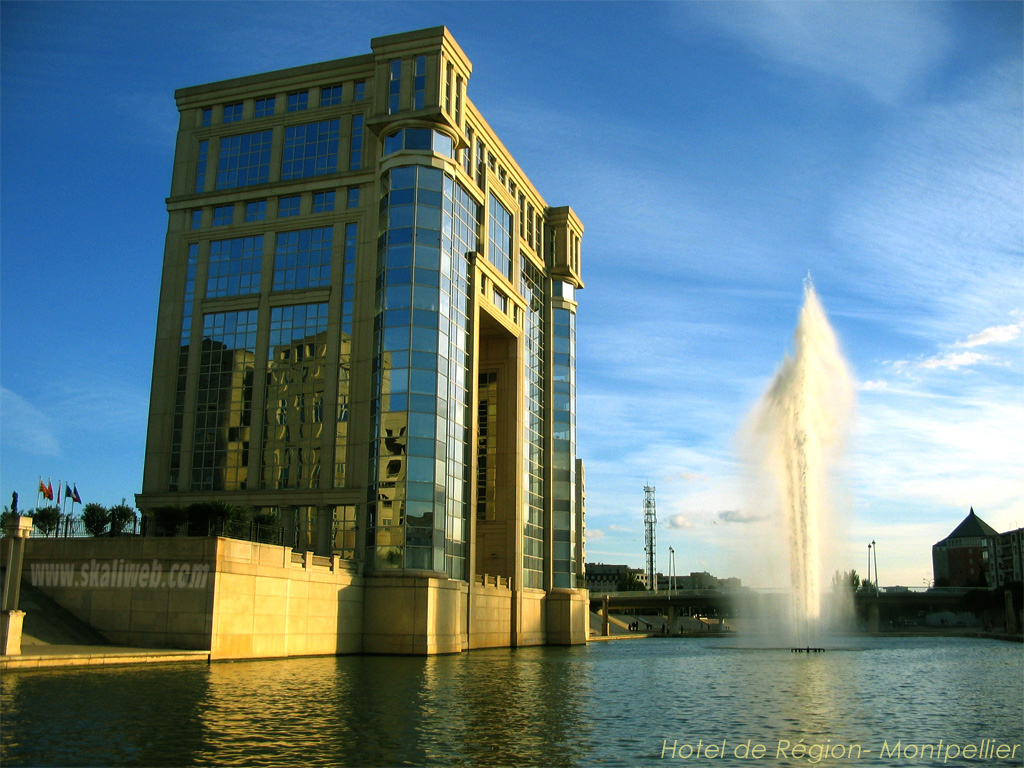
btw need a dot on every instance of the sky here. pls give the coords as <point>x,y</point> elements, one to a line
<point>716,152</point>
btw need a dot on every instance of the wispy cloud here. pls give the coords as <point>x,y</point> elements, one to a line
<point>738,516</point>
<point>997,334</point>
<point>884,54</point>
<point>953,360</point>
<point>26,428</point>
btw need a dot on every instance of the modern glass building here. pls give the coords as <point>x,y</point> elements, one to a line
<point>367,329</point>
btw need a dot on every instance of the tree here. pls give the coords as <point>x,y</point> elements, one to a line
<point>121,516</point>
<point>169,519</point>
<point>95,518</point>
<point>846,580</point>
<point>630,582</point>
<point>47,519</point>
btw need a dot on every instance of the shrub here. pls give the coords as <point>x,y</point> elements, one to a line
<point>169,519</point>
<point>95,518</point>
<point>47,519</point>
<point>122,517</point>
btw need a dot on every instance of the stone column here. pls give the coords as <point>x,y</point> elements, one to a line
<point>19,529</point>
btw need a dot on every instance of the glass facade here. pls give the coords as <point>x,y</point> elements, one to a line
<point>417,508</point>
<point>303,258</point>
<point>294,405</point>
<point>499,235</point>
<point>244,160</point>
<point>531,288</point>
<point>563,453</point>
<point>310,150</point>
<point>223,413</point>
<point>234,266</point>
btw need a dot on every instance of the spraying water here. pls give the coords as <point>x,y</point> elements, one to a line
<point>800,426</point>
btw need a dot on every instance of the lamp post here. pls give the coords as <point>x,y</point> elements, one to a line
<point>671,569</point>
<point>878,584</point>
<point>869,565</point>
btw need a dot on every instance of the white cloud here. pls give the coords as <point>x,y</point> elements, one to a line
<point>953,360</point>
<point>26,428</point>
<point>883,49</point>
<point>679,521</point>
<point>594,534</point>
<point>997,334</point>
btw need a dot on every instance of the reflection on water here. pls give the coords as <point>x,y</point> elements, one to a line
<point>610,703</point>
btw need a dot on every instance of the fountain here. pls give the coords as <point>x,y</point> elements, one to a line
<point>796,433</point>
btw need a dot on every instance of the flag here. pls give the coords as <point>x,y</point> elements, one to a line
<point>42,487</point>
<point>67,492</point>
<point>74,495</point>
<point>48,491</point>
<point>58,493</point>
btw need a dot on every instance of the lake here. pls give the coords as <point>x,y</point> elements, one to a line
<point>906,701</point>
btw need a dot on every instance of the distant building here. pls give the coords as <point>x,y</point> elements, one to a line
<point>967,557</point>
<point>1008,549</point>
<point>609,578</point>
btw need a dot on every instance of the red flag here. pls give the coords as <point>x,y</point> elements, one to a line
<point>48,491</point>
<point>42,488</point>
<point>58,493</point>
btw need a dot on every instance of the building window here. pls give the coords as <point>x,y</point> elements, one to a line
<point>244,160</point>
<point>359,91</point>
<point>310,150</point>
<point>531,283</point>
<point>264,107</point>
<point>467,154</point>
<point>292,429</point>
<point>419,83</point>
<point>353,198</point>
<point>422,139</point>
<point>207,116</point>
<point>235,266</point>
<point>256,210</point>
<point>288,206</point>
<point>330,95</point>
<point>223,215</point>
<point>298,101</point>
<point>458,100</point>
<point>356,155</point>
<point>220,446</point>
<point>499,238</point>
<point>449,71</point>
<point>232,113</point>
<point>204,149</point>
<point>323,201</point>
<point>197,218</point>
<point>303,259</point>
<point>394,85</point>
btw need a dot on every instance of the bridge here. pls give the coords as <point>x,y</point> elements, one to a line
<point>891,602</point>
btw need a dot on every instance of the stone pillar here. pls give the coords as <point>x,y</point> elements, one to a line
<point>19,529</point>
<point>606,629</point>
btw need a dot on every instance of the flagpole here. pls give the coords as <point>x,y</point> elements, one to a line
<point>39,490</point>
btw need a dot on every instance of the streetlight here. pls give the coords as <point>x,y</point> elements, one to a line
<point>671,569</point>
<point>878,584</point>
<point>869,565</point>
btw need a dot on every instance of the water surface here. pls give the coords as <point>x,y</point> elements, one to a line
<point>623,703</point>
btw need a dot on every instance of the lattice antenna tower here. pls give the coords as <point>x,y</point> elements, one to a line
<point>651,546</point>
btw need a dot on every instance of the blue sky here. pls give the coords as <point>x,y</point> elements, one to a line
<point>716,153</point>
